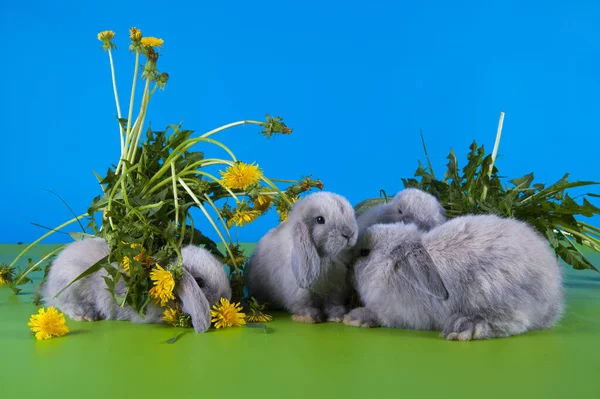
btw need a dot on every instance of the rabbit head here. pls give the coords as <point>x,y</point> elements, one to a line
<point>202,284</point>
<point>412,205</point>
<point>391,257</point>
<point>323,225</point>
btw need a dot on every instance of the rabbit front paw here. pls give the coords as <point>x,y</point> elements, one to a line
<point>466,328</point>
<point>361,317</point>
<point>308,316</point>
<point>335,313</point>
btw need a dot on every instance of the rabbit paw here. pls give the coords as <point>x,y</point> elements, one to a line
<point>83,314</point>
<point>466,328</point>
<point>361,317</point>
<point>308,316</point>
<point>335,313</point>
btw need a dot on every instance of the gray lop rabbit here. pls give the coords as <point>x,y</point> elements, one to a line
<point>203,283</point>
<point>473,277</point>
<point>296,266</point>
<point>410,205</point>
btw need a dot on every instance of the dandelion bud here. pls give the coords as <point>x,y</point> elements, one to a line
<point>106,38</point>
<point>135,34</point>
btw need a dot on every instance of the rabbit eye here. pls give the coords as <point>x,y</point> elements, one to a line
<point>200,282</point>
<point>365,252</point>
<point>320,220</point>
<point>400,211</point>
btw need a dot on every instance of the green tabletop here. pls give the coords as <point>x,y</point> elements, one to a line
<point>110,359</point>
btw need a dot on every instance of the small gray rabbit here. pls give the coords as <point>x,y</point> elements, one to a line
<point>473,277</point>
<point>295,265</point>
<point>203,283</point>
<point>410,205</point>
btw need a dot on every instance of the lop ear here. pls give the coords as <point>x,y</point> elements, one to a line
<point>194,302</point>
<point>306,263</point>
<point>415,265</point>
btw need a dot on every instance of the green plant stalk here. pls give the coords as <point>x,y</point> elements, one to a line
<point>131,100</point>
<point>224,127</point>
<point>123,187</point>
<point>173,177</point>
<point>114,82</point>
<point>589,226</point>
<point>206,162</point>
<point>185,186</point>
<point>219,215</point>
<point>237,200</point>
<point>426,156</point>
<point>186,171</point>
<point>182,230</point>
<point>586,240</point>
<point>494,153</point>
<point>274,187</point>
<point>145,101</point>
<point>177,152</point>
<point>48,256</point>
<point>65,224</point>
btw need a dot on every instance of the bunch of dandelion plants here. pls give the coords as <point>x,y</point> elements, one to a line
<point>477,188</point>
<point>147,199</point>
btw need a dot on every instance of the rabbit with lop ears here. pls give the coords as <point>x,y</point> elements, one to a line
<point>203,283</point>
<point>410,205</point>
<point>296,266</point>
<point>473,277</point>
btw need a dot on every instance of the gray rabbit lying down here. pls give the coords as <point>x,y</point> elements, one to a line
<point>203,283</point>
<point>296,266</point>
<point>410,205</point>
<point>473,277</point>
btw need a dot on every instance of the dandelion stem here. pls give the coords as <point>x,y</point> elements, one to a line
<point>173,178</point>
<point>224,127</point>
<point>183,147</point>
<point>138,132</point>
<point>496,144</point>
<point>129,125</point>
<point>219,215</point>
<point>114,82</point>
<point>209,219</point>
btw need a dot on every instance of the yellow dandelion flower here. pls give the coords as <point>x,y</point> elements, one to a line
<point>135,34</point>
<point>227,314</point>
<point>48,323</point>
<point>171,316</point>
<point>262,202</point>
<point>240,176</point>
<point>150,41</point>
<point>106,35</point>
<point>259,318</point>
<point>164,283</point>
<point>242,218</point>
<point>141,257</point>
<point>6,274</point>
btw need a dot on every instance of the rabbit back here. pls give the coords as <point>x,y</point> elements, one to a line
<point>499,268</point>
<point>88,299</point>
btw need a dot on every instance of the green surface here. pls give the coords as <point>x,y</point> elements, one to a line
<point>121,359</point>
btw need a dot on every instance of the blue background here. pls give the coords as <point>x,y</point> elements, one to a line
<point>356,82</point>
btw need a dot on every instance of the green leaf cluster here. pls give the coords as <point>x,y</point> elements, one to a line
<point>551,210</point>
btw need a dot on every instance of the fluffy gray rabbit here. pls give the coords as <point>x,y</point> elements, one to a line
<point>203,283</point>
<point>410,205</point>
<point>295,265</point>
<point>473,277</point>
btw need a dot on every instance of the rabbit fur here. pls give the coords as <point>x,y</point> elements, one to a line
<point>203,283</point>
<point>296,266</point>
<point>410,205</point>
<point>473,277</point>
